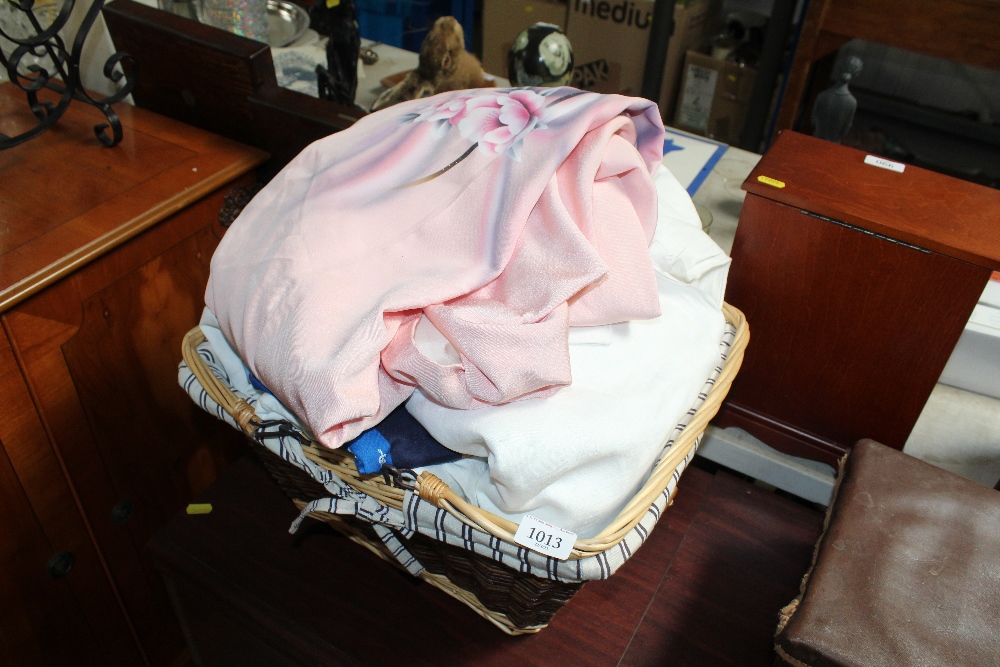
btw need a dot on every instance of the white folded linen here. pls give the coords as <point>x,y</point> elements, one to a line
<point>575,458</point>
<point>679,247</point>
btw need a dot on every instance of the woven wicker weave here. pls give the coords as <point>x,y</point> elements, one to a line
<point>526,601</point>
<point>514,601</point>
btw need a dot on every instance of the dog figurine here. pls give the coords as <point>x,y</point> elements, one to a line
<point>444,65</point>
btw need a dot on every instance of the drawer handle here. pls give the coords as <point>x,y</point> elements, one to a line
<point>121,512</point>
<point>60,564</point>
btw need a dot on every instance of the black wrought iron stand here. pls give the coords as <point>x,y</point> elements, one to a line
<point>65,77</point>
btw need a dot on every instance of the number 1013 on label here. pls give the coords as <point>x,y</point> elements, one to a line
<point>543,537</point>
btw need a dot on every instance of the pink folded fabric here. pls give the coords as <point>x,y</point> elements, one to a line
<point>503,215</point>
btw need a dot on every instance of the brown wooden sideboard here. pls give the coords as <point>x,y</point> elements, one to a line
<point>857,282</point>
<point>104,256</point>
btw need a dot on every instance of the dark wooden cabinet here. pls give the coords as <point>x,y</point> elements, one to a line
<point>49,616</point>
<point>857,282</point>
<point>103,264</point>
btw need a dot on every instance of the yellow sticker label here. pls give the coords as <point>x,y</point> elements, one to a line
<point>330,4</point>
<point>199,508</point>
<point>767,180</point>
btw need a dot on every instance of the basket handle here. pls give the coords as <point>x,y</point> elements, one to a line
<point>238,408</point>
<point>434,490</point>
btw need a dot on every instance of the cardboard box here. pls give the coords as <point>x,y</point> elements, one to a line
<point>503,20</point>
<point>610,39</point>
<point>714,96</point>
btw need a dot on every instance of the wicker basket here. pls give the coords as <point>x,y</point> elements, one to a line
<point>518,602</point>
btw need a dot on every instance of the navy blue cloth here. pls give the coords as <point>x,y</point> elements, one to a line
<point>412,445</point>
<point>400,441</point>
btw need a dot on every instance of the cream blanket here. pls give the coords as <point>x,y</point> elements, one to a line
<point>576,458</point>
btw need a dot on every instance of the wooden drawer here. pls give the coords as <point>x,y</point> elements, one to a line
<point>105,257</point>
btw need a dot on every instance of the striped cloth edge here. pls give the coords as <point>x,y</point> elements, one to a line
<point>421,516</point>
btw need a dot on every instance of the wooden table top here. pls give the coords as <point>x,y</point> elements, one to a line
<point>67,199</point>
<point>705,589</point>
<point>947,215</point>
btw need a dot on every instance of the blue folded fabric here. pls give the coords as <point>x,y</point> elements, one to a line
<point>400,441</point>
<point>257,384</point>
<point>371,451</point>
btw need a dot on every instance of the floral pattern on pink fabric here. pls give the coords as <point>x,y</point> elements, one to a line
<point>499,123</point>
<point>495,121</point>
<point>442,115</point>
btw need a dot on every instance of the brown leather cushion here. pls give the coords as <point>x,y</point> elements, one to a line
<point>907,571</point>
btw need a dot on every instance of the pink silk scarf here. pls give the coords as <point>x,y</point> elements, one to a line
<point>502,215</point>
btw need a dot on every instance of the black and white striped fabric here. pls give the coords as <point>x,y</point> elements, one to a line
<point>421,516</point>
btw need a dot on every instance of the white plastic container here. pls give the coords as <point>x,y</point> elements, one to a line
<point>975,363</point>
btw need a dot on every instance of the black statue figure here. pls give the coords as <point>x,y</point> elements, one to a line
<point>338,81</point>
<point>834,110</point>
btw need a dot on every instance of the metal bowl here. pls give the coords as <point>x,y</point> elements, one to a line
<point>286,22</point>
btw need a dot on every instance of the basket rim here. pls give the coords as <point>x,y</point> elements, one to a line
<point>435,491</point>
